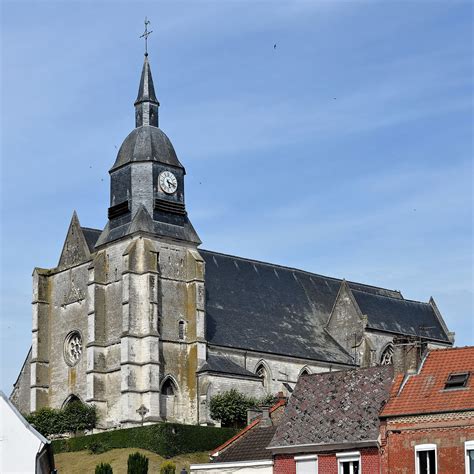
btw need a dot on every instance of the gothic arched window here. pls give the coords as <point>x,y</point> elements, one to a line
<point>168,395</point>
<point>305,371</point>
<point>262,372</point>
<point>387,356</point>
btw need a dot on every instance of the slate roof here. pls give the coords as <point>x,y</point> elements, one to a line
<point>400,316</point>
<point>251,447</point>
<point>335,408</point>
<point>223,365</point>
<point>250,444</point>
<point>143,222</point>
<point>146,89</point>
<point>269,308</point>
<point>147,143</point>
<point>91,236</point>
<point>424,392</point>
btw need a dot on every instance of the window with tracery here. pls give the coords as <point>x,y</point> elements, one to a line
<point>73,348</point>
<point>387,356</point>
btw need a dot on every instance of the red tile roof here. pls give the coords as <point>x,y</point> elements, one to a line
<point>424,392</point>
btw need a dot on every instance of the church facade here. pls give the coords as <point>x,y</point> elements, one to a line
<point>137,315</point>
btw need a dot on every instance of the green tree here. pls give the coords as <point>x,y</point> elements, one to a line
<point>137,464</point>
<point>230,408</point>
<point>79,417</point>
<point>75,417</point>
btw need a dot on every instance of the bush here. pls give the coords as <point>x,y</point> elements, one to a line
<point>137,464</point>
<point>103,468</point>
<point>97,447</point>
<point>47,421</point>
<point>230,408</point>
<point>168,467</point>
<point>79,417</point>
<point>165,439</point>
<point>75,417</point>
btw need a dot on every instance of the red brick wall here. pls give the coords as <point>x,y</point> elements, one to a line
<point>398,454</point>
<point>327,463</point>
<point>284,464</point>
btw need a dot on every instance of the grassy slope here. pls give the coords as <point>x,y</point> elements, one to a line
<point>83,462</point>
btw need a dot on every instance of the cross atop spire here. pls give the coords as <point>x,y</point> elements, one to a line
<point>146,34</point>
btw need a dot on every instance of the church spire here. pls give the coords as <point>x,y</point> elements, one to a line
<point>146,105</point>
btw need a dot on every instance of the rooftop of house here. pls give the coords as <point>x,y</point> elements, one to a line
<point>250,443</point>
<point>335,408</point>
<point>444,383</point>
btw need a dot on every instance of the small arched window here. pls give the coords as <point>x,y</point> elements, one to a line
<point>387,356</point>
<point>305,371</point>
<point>168,387</point>
<point>262,372</point>
<point>181,330</point>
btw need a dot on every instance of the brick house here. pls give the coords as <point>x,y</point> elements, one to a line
<point>331,424</point>
<point>427,427</point>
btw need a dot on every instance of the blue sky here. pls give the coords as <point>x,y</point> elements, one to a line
<point>346,150</point>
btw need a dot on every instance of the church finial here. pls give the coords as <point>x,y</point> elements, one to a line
<point>146,105</point>
<point>146,34</point>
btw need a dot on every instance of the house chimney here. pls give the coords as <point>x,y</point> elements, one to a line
<point>408,352</point>
<point>280,396</point>
<point>266,420</point>
<point>252,413</point>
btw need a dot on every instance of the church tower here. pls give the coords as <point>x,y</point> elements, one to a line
<point>147,179</point>
<point>120,322</point>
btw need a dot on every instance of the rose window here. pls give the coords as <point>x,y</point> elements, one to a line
<point>73,348</point>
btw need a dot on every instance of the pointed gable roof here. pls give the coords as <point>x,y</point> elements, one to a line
<point>75,249</point>
<point>400,316</point>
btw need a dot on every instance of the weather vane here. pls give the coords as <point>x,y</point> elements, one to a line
<point>146,34</point>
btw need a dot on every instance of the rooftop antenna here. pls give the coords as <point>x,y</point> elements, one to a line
<point>146,34</point>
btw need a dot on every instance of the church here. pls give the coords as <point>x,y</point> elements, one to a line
<point>139,320</point>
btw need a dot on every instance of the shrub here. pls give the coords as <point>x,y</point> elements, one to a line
<point>47,421</point>
<point>103,468</point>
<point>75,417</point>
<point>165,439</point>
<point>168,467</point>
<point>97,447</point>
<point>79,417</point>
<point>137,464</point>
<point>230,408</point>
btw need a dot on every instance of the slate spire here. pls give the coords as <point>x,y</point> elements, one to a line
<point>146,105</point>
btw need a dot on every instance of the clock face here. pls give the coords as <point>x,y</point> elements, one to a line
<point>168,182</point>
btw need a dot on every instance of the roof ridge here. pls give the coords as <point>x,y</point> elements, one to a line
<point>90,228</point>
<point>252,260</point>
<point>450,348</point>
<point>393,297</point>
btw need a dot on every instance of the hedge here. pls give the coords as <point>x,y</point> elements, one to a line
<point>165,439</point>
